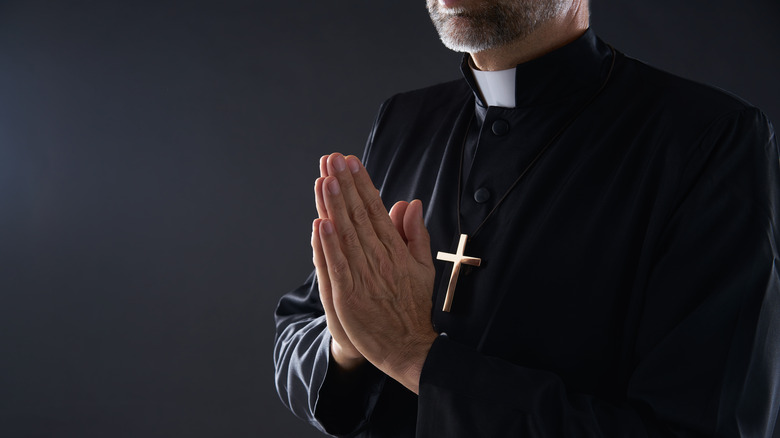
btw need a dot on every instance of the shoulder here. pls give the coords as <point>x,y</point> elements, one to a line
<point>435,93</point>
<point>687,130</point>
<point>423,100</point>
<point>672,117</point>
<point>413,118</point>
<point>664,96</point>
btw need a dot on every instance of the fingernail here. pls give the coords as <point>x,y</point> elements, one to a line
<point>338,163</point>
<point>327,227</point>
<point>333,186</point>
<point>354,164</point>
<point>421,207</point>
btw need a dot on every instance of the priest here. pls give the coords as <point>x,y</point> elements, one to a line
<point>566,242</point>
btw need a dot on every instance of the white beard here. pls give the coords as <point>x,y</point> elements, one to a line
<point>497,23</point>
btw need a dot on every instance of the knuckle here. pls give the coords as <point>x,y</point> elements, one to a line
<point>340,269</point>
<point>374,207</point>
<point>377,249</point>
<point>350,239</point>
<point>359,215</point>
<point>397,249</point>
<point>353,297</point>
<point>386,268</point>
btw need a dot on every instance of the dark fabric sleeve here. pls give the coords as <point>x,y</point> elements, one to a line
<point>305,380</point>
<point>707,343</point>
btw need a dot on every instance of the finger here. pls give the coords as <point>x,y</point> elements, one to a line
<point>321,267</point>
<point>324,165</point>
<point>354,246</point>
<point>419,241</point>
<point>338,266</point>
<point>397,216</point>
<point>326,295</point>
<point>383,225</point>
<point>319,201</point>
<point>321,210</point>
<point>354,209</point>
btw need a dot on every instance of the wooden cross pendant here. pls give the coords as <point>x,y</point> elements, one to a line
<point>457,259</point>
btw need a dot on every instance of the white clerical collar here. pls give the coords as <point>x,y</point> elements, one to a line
<point>497,87</point>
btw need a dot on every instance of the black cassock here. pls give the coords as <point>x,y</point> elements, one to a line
<point>629,285</point>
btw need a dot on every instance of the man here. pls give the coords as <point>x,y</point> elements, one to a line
<point>592,250</point>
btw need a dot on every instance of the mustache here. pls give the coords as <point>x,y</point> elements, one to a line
<point>456,11</point>
<point>483,12</point>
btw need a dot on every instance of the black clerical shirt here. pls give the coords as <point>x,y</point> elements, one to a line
<point>629,284</point>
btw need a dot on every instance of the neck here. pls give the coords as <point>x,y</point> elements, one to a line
<point>550,35</point>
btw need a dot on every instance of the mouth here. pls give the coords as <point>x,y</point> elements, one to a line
<point>451,7</point>
<point>454,12</point>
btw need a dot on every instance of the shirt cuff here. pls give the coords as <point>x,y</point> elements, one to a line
<point>345,401</point>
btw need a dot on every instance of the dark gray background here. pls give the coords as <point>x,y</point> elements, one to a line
<point>156,166</point>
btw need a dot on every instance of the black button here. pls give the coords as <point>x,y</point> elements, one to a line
<point>500,127</point>
<point>482,195</point>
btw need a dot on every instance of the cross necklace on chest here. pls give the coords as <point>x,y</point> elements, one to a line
<point>458,258</point>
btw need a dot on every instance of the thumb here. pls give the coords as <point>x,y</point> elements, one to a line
<point>419,241</point>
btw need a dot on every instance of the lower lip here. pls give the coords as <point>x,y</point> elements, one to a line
<point>449,3</point>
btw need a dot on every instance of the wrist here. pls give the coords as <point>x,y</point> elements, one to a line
<point>410,372</point>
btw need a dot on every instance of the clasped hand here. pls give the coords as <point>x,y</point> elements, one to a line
<point>375,273</point>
